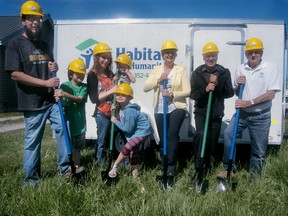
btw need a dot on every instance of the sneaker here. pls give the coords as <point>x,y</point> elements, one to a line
<point>223,174</point>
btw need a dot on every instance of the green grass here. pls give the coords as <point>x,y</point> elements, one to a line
<point>9,114</point>
<point>267,195</point>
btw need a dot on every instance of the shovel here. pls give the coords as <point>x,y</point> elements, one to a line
<point>66,134</point>
<point>202,183</point>
<point>222,186</point>
<point>163,178</point>
<point>105,174</point>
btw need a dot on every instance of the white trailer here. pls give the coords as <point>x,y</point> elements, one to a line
<point>141,39</point>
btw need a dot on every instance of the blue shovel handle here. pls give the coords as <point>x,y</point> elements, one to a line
<point>164,120</point>
<point>232,149</point>
<point>241,87</point>
<point>64,123</point>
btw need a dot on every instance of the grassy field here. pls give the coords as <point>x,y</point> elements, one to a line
<point>267,195</point>
<point>10,114</point>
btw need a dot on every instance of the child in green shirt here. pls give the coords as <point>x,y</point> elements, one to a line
<point>74,96</point>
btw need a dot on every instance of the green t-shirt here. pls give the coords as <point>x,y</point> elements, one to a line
<point>75,112</point>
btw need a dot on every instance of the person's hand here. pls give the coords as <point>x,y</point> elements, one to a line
<point>58,93</point>
<point>165,92</point>
<point>115,78</point>
<point>127,71</point>
<point>241,80</point>
<point>242,103</point>
<point>52,82</point>
<point>61,92</point>
<point>162,77</point>
<point>210,87</point>
<point>113,107</point>
<point>113,89</point>
<point>214,79</point>
<point>113,119</point>
<point>53,66</point>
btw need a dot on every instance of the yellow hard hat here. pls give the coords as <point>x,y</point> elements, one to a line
<point>77,66</point>
<point>168,45</point>
<point>125,89</point>
<point>31,8</point>
<point>124,59</point>
<point>254,44</point>
<point>101,48</point>
<point>210,47</point>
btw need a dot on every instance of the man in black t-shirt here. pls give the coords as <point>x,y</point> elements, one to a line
<point>30,63</point>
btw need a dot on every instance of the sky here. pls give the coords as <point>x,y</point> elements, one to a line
<point>105,9</point>
<point>110,9</point>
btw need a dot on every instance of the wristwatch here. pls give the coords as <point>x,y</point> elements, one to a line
<point>252,102</point>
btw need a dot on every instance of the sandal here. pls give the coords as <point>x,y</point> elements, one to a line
<point>113,172</point>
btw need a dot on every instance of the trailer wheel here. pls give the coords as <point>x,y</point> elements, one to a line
<point>120,141</point>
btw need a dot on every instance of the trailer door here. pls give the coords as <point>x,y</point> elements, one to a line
<point>230,40</point>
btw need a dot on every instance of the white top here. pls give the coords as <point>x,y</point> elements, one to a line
<point>258,81</point>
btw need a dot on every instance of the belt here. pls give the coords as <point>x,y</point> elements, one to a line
<point>255,113</point>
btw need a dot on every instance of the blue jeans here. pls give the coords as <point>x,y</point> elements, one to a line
<point>258,127</point>
<point>103,125</point>
<point>35,122</point>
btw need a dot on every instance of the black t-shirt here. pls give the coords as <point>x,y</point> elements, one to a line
<point>30,57</point>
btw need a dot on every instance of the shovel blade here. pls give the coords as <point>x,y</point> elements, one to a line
<point>107,179</point>
<point>104,175</point>
<point>222,186</point>
<point>162,180</point>
<point>202,186</point>
<point>234,186</point>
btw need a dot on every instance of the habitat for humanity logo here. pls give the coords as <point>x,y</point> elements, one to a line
<point>88,51</point>
<point>144,58</point>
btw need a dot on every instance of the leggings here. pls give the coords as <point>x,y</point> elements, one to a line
<point>131,149</point>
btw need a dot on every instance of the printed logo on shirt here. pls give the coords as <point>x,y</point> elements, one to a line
<point>39,57</point>
<point>261,75</point>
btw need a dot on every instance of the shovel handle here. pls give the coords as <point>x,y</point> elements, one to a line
<point>63,121</point>
<point>232,149</point>
<point>241,87</point>
<point>113,114</point>
<point>206,125</point>
<point>164,120</point>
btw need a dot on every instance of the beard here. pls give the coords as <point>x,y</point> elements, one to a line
<point>33,35</point>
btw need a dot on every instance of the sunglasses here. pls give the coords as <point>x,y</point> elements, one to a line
<point>256,52</point>
<point>169,52</point>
